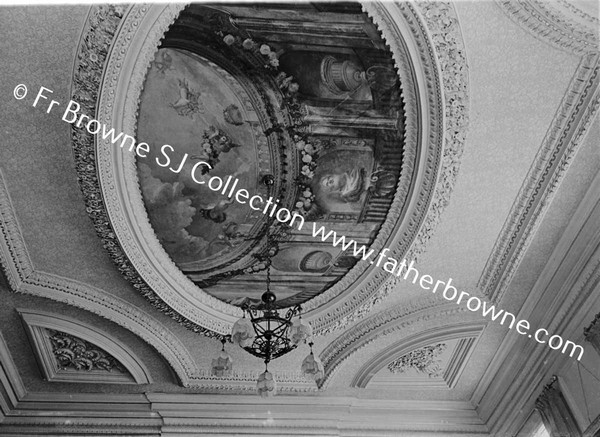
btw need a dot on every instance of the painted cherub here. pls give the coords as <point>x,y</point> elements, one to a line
<point>189,100</point>
<point>165,62</point>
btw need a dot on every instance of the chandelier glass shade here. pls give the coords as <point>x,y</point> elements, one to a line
<point>222,365</point>
<point>312,367</point>
<point>266,384</point>
<point>243,333</point>
<point>300,332</point>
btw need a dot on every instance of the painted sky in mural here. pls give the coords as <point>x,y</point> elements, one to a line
<point>193,105</point>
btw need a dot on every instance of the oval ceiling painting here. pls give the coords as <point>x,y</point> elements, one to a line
<point>305,97</point>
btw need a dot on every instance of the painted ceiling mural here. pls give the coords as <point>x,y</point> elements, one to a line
<point>323,115</point>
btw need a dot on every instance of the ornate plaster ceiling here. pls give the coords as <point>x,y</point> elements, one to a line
<point>507,207</point>
<point>174,239</point>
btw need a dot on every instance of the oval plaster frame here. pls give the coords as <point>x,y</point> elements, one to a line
<point>134,47</point>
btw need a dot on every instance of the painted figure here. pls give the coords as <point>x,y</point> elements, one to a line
<point>188,102</point>
<point>164,64</point>
<point>233,115</point>
<point>216,211</point>
<point>346,186</point>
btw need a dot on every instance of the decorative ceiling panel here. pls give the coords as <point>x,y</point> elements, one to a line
<point>69,351</point>
<point>255,120</point>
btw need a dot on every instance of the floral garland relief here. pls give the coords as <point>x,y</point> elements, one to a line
<point>309,154</point>
<point>74,353</point>
<point>422,360</point>
<point>308,149</point>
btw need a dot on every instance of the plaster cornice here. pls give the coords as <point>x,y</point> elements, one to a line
<point>322,416</point>
<point>551,23</point>
<point>24,278</point>
<point>441,38</point>
<point>190,413</point>
<point>417,316</point>
<point>419,340</point>
<point>563,300</point>
<point>569,126</point>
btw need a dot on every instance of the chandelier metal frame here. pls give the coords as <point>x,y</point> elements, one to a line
<point>265,333</point>
<point>272,331</point>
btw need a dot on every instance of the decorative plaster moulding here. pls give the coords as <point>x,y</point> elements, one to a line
<point>558,23</point>
<point>114,199</point>
<point>570,281</point>
<point>447,377</point>
<point>561,143</point>
<point>24,278</point>
<point>566,27</point>
<point>40,326</point>
<point>441,39</point>
<point>401,322</point>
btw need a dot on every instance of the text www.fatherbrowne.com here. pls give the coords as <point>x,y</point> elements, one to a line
<point>270,207</point>
<point>450,293</point>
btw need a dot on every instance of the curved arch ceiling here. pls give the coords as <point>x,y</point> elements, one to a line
<point>353,141</point>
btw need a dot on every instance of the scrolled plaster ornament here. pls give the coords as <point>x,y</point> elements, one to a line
<point>74,353</point>
<point>423,360</point>
<point>381,324</point>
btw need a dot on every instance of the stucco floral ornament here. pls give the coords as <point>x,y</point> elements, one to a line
<point>74,353</point>
<point>422,360</point>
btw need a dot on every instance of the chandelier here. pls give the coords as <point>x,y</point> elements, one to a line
<point>266,334</point>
